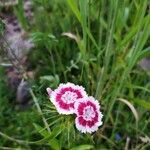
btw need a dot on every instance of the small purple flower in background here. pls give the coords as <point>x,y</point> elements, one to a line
<point>117,137</point>
<point>89,117</point>
<point>65,96</point>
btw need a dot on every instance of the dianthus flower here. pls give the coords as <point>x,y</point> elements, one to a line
<point>89,117</point>
<point>65,96</point>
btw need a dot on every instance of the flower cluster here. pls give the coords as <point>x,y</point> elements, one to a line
<point>72,99</point>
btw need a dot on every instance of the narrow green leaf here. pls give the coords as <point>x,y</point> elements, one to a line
<point>92,38</point>
<point>144,53</point>
<point>82,147</point>
<point>41,130</point>
<point>75,9</point>
<point>143,103</point>
<point>49,137</point>
<point>55,144</point>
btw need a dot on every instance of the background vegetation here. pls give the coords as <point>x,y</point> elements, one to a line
<point>97,44</point>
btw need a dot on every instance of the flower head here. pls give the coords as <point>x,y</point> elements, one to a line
<point>89,117</point>
<point>65,96</point>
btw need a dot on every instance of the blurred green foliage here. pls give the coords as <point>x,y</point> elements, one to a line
<point>97,44</point>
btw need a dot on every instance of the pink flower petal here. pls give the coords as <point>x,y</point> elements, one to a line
<point>49,91</point>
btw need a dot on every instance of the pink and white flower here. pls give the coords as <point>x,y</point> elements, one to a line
<point>65,96</point>
<point>89,117</point>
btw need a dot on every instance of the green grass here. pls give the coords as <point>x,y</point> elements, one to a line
<point>110,38</point>
<point>15,124</point>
